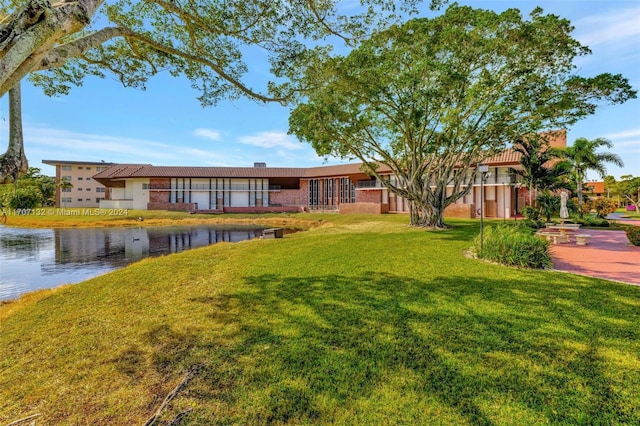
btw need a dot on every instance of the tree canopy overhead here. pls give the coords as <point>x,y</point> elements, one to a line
<point>433,97</point>
<point>202,40</point>
<point>57,44</point>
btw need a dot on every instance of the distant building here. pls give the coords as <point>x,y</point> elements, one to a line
<point>594,189</point>
<point>85,191</point>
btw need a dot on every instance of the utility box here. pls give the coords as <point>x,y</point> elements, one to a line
<point>273,233</point>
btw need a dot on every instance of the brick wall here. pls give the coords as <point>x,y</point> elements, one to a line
<point>160,183</point>
<point>369,196</point>
<point>465,211</point>
<point>288,197</point>
<point>159,197</point>
<point>282,209</point>
<point>364,208</point>
<point>171,206</point>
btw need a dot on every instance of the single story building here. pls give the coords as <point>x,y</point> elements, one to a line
<point>342,188</point>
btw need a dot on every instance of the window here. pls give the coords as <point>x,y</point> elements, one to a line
<point>65,167</point>
<point>66,178</point>
<point>87,199</point>
<point>80,199</point>
<point>79,189</point>
<point>79,167</point>
<point>87,168</point>
<point>347,191</point>
<point>66,199</point>
<point>100,189</point>
<point>313,192</point>
<point>98,200</point>
<point>145,186</point>
<point>66,190</point>
<point>101,168</point>
<point>88,189</point>
<point>79,177</point>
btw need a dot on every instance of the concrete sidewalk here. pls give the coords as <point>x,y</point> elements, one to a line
<point>608,255</point>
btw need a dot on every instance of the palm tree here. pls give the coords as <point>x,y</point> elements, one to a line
<point>62,185</point>
<point>541,165</point>
<point>583,157</point>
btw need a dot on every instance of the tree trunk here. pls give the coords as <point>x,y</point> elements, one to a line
<point>13,163</point>
<point>435,219</point>
<point>29,34</point>
<point>426,216</point>
<point>579,184</point>
<point>414,214</point>
<point>531,195</point>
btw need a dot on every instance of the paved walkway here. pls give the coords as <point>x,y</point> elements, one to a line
<point>608,255</point>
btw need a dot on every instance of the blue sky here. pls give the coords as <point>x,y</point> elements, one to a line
<point>165,125</point>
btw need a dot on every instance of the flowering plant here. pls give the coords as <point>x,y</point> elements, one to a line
<point>633,234</point>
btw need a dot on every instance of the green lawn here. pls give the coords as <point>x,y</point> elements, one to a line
<point>362,320</point>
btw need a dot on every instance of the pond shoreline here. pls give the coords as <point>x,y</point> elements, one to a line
<point>37,258</point>
<point>146,219</point>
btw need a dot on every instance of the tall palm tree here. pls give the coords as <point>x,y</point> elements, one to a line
<point>541,165</point>
<point>583,157</point>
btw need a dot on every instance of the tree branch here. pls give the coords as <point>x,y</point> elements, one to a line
<point>59,55</point>
<point>26,45</point>
<point>323,22</point>
<point>168,398</point>
<point>199,59</point>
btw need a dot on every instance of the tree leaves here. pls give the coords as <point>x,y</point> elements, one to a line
<point>431,98</point>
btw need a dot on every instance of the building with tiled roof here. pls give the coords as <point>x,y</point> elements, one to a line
<point>344,188</point>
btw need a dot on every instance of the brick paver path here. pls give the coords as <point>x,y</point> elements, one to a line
<point>608,255</point>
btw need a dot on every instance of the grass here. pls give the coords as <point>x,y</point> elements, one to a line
<point>78,218</point>
<point>361,320</point>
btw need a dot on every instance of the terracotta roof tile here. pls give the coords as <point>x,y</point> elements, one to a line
<point>507,157</point>
<point>338,170</point>
<point>122,171</point>
<point>125,171</point>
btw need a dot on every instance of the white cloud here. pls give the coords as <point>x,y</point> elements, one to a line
<point>85,146</point>
<point>271,140</point>
<point>631,133</point>
<point>275,148</point>
<point>616,26</point>
<point>634,144</point>
<point>214,135</point>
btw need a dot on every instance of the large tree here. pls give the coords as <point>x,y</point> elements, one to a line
<point>59,43</point>
<point>629,188</point>
<point>432,98</point>
<point>583,156</point>
<point>13,163</point>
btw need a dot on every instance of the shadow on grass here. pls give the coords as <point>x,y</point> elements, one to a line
<point>479,350</point>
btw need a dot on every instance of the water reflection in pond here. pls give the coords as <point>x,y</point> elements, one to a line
<point>32,259</point>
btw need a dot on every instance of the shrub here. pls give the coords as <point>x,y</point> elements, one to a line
<point>549,204</point>
<point>512,246</point>
<point>530,213</point>
<point>603,206</point>
<point>530,223</point>
<point>586,205</point>
<point>633,234</point>
<point>594,222</point>
<point>26,198</point>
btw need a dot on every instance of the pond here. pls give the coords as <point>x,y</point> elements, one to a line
<point>32,259</point>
